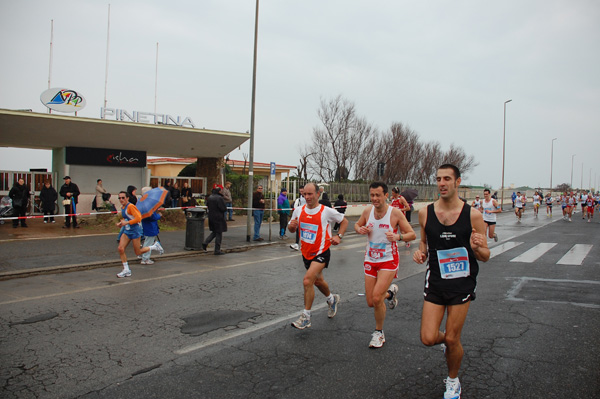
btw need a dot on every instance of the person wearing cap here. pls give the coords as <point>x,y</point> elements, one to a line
<point>70,192</point>
<point>217,224</point>
<point>283,209</point>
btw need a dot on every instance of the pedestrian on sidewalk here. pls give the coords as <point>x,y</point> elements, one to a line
<point>384,226</point>
<point>258,211</point>
<point>100,195</point>
<point>453,238</point>
<point>19,194</point>
<point>48,197</point>
<point>283,210</point>
<point>217,224</point>
<point>70,192</point>
<point>132,232</point>
<point>175,195</point>
<point>186,196</point>
<point>228,201</point>
<point>314,222</point>
<point>340,205</point>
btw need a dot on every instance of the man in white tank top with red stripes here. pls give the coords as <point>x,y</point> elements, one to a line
<point>384,225</point>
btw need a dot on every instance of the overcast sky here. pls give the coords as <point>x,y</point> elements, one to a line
<point>444,68</point>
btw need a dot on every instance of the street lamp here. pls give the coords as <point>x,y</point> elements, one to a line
<point>251,166</point>
<point>551,162</point>
<point>572,158</point>
<point>503,153</point>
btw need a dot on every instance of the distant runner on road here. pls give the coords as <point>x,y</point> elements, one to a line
<point>453,238</point>
<point>490,208</point>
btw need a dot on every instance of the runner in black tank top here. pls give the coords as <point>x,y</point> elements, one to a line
<point>453,238</point>
<point>441,237</point>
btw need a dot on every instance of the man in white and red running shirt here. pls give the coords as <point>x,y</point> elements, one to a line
<point>314,221</point>
<point>384,225</point>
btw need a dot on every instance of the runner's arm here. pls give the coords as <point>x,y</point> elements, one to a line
<point>420,255</point>
<point>406,233</point>
<point>360,226</point>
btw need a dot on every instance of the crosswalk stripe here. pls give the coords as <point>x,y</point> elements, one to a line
<point>576,255</point>
<point>534,253</point>
<point>497,250</point>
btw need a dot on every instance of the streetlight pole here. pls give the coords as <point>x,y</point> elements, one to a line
<point>551,162</point>
<point>251,158</point>
<point>503,154</point>
<point>581,185</point>
<point>572,158</point>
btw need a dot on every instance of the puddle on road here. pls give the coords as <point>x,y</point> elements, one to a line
<point>203,322</point>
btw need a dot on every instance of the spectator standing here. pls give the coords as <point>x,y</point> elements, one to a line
<point>258,211</point>
<point>324,197</point>
<point>186,195</point>
<point>217,224</point>
<point>19,194</point>
<point>340,205</point>
<point>100,191</point>
<point>283,209</point>
<point>48,197</point>
<point>168,187</point>
<point>70,192</point>
<point>228,201</point>
<point>175,195</point>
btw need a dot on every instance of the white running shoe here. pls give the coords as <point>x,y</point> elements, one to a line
<point>392,303</point>
<point>158,247</point>
<point>295,246</point>
<point>333,307</point>
<point>452,389</point>
<point>377,339</point>
<point>147,262</point>
<point>124,273</point>
<point>495,237</point>
<point>302,322</point>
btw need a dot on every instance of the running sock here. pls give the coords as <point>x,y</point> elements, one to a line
<point>307,313</point>
<point>125,266</point>
<point>452,379</point>
<point>330,299</point>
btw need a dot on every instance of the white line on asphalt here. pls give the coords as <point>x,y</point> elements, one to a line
<point>497,250</point>
<point>534,253</point>
<point>237,333</point>
<point>576,255</point>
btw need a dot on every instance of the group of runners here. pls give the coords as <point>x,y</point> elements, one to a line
<point>452,242</point>
<point>568,201</point>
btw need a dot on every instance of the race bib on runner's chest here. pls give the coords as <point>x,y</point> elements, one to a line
<point>376,250</point>
<point>454,263</point>
<point>308,232</point>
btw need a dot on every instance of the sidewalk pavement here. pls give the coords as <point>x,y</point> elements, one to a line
<point>47,248</point>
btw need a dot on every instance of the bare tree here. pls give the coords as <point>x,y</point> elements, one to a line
<point>305,155</point>
<point>457,157</point>
<point>339,142</point>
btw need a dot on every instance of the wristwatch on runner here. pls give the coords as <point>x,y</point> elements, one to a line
<point>341,236</point>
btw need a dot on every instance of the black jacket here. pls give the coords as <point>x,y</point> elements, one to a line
<point>19,194</point>
<point>216,212</point>
<point>70,188</point>
<point>48,196</point>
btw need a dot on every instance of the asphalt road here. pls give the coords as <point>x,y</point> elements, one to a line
<point>219,327</point>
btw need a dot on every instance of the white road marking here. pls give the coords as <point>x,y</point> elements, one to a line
<point>576,255</point>
<point>497,250</point>
<point>534,253</point>
<point>236,333</point>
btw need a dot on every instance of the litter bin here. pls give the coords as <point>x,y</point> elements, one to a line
<point>194,228</point>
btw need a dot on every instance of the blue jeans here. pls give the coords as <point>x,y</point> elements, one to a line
<point>258,217</point>
<point>148,242</point>
<point>174,202</point>
<point>229,212</point>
